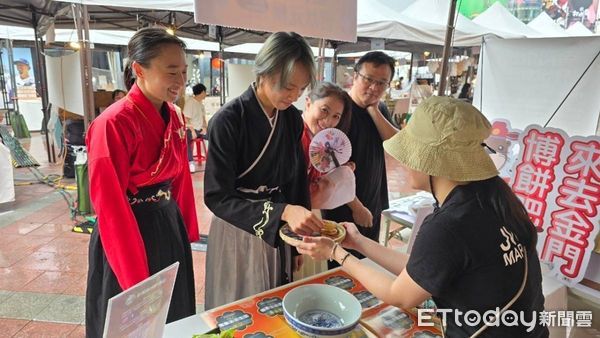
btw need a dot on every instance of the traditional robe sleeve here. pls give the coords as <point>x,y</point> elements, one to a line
<point>297,191</point>
<point>183,192</point>
<point>109,149</point>
<point>260,218</point>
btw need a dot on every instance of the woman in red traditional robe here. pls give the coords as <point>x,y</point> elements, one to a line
<point>140,183</point>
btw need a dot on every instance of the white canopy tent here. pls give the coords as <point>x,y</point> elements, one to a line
<point>424,21</point>
<point>393,53</point>
<point>116,37</point>
<point>377,20</point>
<point>16,33</point>
<point>497,17</point>
<point>436,12</point>
<point>529,89</point>
<point>544,24</point>
<point>168,5</point>
<point>578,29</point>
<point>97,36</point>
<point>253,48</point>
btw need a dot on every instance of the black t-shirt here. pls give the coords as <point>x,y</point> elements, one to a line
<point>371,180</point>
<point>468,260</point>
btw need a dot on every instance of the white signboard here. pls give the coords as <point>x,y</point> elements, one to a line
<point>141,311</point>
<point>331,19</point>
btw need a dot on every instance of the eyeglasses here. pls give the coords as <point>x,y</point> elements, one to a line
<point>373,82</point>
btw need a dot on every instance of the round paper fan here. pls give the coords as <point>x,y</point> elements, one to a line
<point>329,149</point>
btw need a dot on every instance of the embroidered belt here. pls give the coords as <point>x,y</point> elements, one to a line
<point>151,194</point>
<point>260,190</point>
<point>155,198</point>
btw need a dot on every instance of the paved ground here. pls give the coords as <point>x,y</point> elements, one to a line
<point>43,264</point>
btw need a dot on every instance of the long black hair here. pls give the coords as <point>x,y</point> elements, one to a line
<point>497,194</point>
<point>144,46</point>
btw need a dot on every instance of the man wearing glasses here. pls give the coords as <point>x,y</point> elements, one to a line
<point>370,126</point>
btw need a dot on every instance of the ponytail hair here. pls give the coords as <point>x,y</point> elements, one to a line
<point>128,76</point>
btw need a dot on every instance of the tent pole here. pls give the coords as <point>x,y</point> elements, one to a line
<point>221,65</point>
<point>412,55</point>
<point>210,73</point>
<point>447,48</point>
<point>334,62</point>
<point>43,85</point>
<point>598,125</point>
<point>85,58</point>
<point>13,78</point>
<point>321,60</point>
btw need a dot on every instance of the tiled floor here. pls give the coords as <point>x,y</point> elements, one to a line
<point>43,264</point>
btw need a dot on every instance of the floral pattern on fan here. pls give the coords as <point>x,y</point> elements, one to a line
<point>329,149</point>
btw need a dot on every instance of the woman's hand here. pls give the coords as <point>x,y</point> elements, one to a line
<point>361,215</point>
<point>318,248</point>
<point>193,132</point>
<point>298,262</point>
<point>320,184</point>
<point>301,220</point>
<point>350,165</point>
<point>353,237</point>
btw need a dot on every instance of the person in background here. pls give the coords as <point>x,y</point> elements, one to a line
<point>118,94</point>
<point>25,78</point>
<point>465,93</point>
<point>140,184</point>
<point>327,106</point>
<point>255,178</point>
<point>399,84</point>
<point>476,252</point>
<point>195,118</point>
<point>369,128</point>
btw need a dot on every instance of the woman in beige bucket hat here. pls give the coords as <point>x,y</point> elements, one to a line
<point>475,252</point>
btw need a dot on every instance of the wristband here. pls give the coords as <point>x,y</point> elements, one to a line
<point>332,254</point>
<point>344,259</point>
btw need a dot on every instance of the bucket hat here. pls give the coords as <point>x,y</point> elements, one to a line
<point>444,138</point>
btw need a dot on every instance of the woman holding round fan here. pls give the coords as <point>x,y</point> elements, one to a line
<point>327,106</point>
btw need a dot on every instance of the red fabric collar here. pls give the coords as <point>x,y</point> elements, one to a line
<point>147,108</point>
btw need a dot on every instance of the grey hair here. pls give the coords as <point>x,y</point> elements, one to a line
<point>279,54</point>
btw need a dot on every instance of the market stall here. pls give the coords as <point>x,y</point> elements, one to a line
<point>262,314</point>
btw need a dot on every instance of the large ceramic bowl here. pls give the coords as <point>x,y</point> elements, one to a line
<point>321,310</point>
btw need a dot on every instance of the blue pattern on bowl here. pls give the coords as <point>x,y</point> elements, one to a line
<point>321,318</point>
<point>305,329</point>
<point>321,310</point>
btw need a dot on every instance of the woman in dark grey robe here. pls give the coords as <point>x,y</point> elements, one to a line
<point>255,178</point>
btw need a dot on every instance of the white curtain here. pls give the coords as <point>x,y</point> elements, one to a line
<point>114,64</point>
<point>7,187</point>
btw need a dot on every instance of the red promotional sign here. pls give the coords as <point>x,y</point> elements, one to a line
<point>557,178</point>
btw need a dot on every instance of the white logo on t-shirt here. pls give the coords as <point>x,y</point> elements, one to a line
<point>513,251</point>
